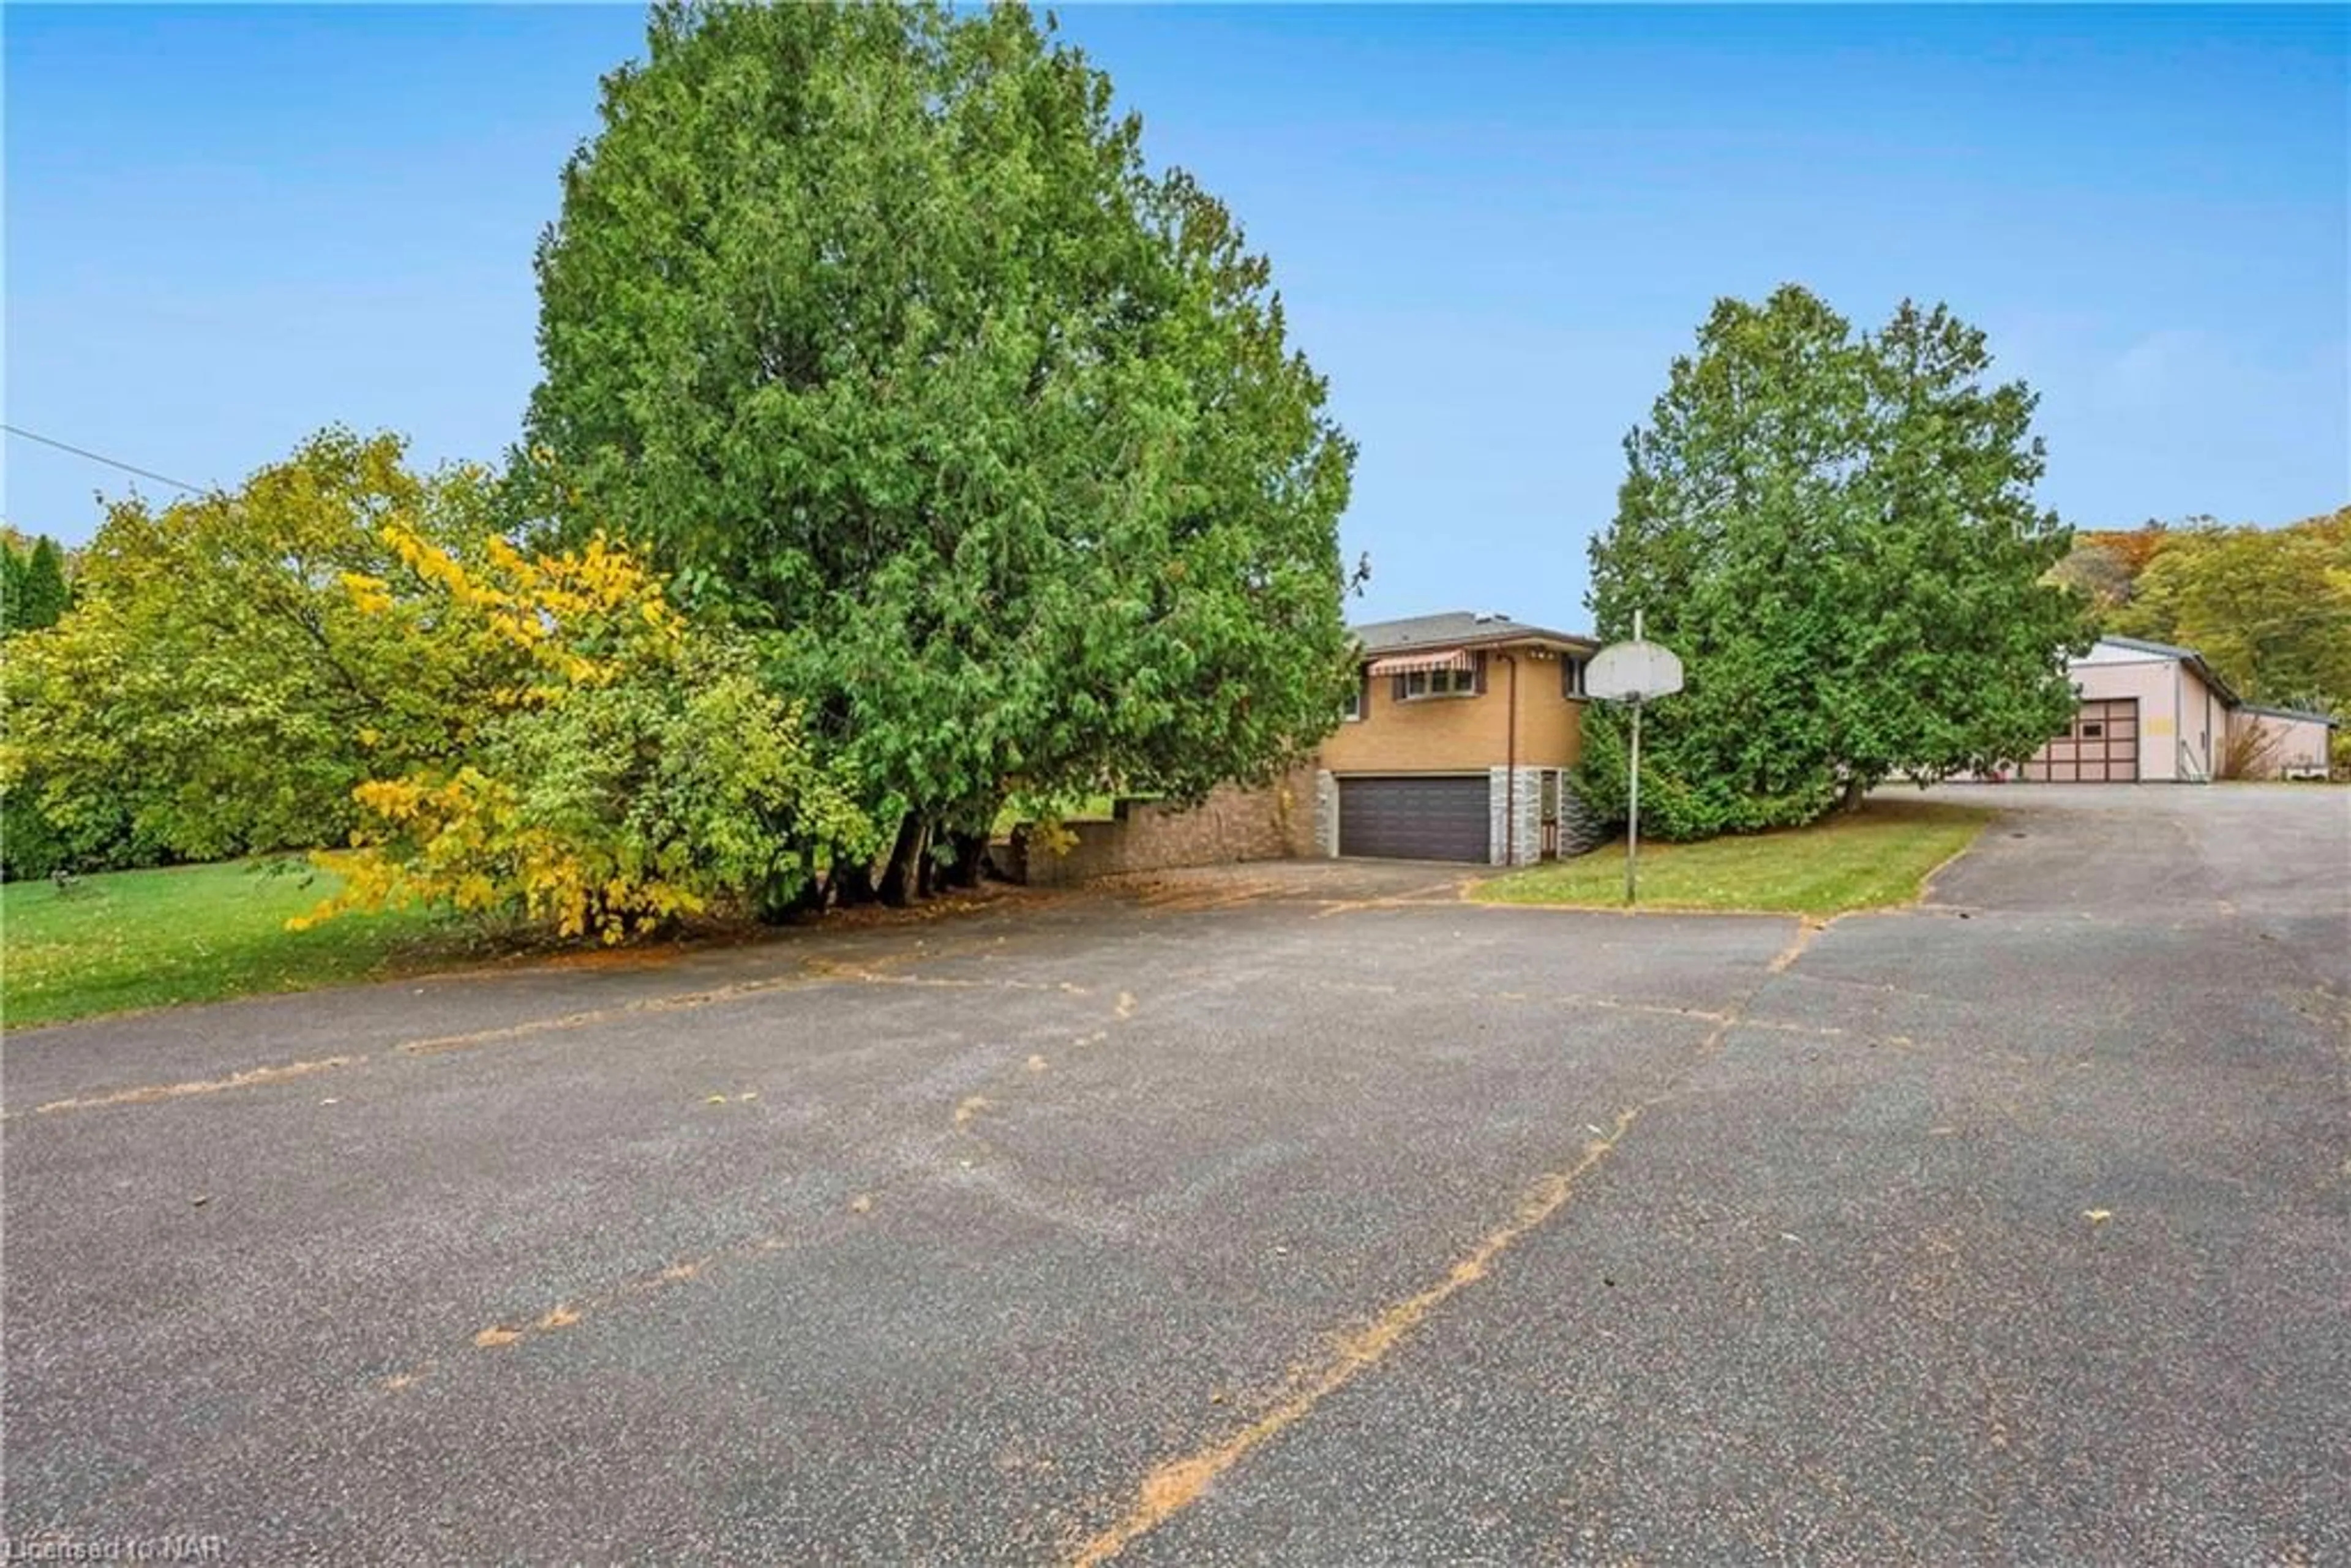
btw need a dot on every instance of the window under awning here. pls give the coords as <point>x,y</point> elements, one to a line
<point>1434,659</point>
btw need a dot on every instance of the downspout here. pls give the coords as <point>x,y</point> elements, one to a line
<point>2178,724</point>
<point>1510,768</point>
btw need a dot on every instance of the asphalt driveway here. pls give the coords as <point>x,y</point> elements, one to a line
<point>1289,1214</point>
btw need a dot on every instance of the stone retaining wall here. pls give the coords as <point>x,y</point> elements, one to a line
<point>1273,822</point>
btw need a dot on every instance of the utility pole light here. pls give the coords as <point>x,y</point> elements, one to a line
<point>1637,672</point>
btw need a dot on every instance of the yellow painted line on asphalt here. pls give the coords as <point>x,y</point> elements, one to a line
<point>817,972</point>
<point>440,1044</point>
<point>1809,927</point>
<point>829,969</point>
<point>568,1314</point>
<point>1545,998</point>
<point>680,1001</point>
<point>1432,895</point>
<point>148,1094</point>
<point>1176,1484</point>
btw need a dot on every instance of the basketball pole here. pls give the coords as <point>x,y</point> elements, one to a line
<point>1632,816</point>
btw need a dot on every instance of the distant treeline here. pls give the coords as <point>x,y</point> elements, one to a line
<point>2269,607</point>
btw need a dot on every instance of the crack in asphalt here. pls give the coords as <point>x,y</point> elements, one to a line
<point>1175,1484</point>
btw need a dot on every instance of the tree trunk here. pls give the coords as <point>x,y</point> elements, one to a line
<point>853,883</point>
<point>901,878</point>
<point>971,860</point>
<point>1854,790</point>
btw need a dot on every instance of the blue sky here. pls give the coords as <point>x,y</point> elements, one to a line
<point>1493,229</point>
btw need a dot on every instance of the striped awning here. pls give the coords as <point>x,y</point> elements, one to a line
<point>1432,659</point>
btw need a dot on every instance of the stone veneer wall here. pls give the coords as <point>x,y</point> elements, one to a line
<point>1523,846</point>
<point>1579,831</point>
<point>1273,822</point>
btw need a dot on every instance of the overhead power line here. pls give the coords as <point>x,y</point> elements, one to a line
<point>102,457</point>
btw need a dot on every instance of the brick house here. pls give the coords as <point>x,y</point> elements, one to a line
<point>1456,743</point>
<point>1455,746</point>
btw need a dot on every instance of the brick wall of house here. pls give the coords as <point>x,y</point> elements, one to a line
<point>1273,822</point>
<point>1454,734</point>
<point>1550,723</point>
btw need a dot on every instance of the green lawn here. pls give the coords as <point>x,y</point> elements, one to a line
<point>1878,855</point>
<point>191,934</point>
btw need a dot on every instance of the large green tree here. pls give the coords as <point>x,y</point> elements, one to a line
<point>1837,532</point>
<point>874,325</point>
<point>214,691</point>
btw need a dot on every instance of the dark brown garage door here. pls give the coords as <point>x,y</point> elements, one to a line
<point>1413,819</point>
<point>2100,747</point>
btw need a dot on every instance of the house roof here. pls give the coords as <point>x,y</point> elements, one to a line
<point>2189,656</point>
<point>2301,716</point>
<point>2195,661</point>
<point>1455,627</point>
<point>2144,645</point>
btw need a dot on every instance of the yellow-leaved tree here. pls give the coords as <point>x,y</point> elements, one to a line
<point>622,769</point>
<point>214,691</point>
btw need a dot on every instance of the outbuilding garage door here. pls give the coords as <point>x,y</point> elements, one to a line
<point>1413,819</point>
<point>2100,747</point>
